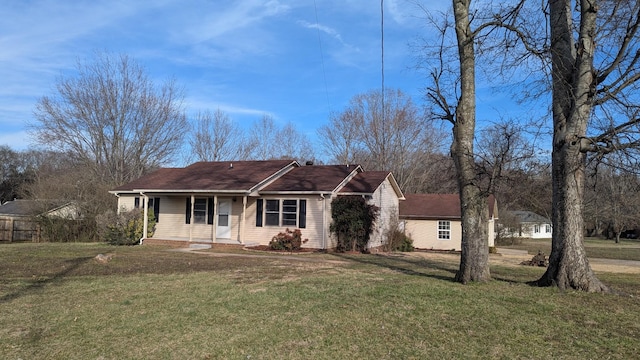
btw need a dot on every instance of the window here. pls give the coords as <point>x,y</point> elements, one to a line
<point>289,212</point>
<point>536,228</point>
<point>154,203</point>
<point>202,211</point>
<point>292,213</point>
<point>272,213</point>
<point>444,230</point>
<point>547,228</point>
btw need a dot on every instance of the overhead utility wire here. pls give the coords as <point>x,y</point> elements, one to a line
<point>324,74</point>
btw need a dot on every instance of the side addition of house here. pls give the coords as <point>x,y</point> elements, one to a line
<point>434,221</point>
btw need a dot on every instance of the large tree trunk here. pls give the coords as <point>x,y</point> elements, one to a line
<point>474,259</point>
<point>572,75</point>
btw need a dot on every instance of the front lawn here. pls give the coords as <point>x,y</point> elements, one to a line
<point>57,302</point>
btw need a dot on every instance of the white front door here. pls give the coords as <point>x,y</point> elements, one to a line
<point>223,225</point>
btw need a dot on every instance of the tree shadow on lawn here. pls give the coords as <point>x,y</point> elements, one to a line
<point>414,266</point>
<point>403,265</point>
<point>40,282</point>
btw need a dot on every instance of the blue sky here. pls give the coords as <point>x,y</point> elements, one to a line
<point>296,60</point>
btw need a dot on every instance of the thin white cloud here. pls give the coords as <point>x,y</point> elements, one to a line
<point>195,105</point>
<point>217,21</point>
<point>327,30</point>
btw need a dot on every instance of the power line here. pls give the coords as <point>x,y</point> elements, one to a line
<point>324,74</point>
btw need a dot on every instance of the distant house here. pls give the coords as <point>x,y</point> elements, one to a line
<point>249,202</point>
<point>17,217</point>
<point>527,224</point>
<point>434,221</point>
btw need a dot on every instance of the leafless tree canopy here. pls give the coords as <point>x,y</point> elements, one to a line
<point>269,141</point>
<point>400,139</point>
<point>216,138</point>
<point>112,118</point>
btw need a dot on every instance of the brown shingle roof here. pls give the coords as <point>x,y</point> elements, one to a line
<point>365,182</point>
<point>313,178</point>
<point>435,206</point>
<point>21,207</point>
<point>211,176</point>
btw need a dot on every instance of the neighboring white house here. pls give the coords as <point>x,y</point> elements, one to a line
<point>249,202</point>
<point>528,224</point>
<point>433,221</point>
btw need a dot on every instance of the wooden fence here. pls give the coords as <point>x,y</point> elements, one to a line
<point>16,230</point>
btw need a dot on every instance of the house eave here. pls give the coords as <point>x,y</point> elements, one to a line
<point>421,217</point>
<point>322,192</point>
<point>201,191</point>
<point>356,193</point>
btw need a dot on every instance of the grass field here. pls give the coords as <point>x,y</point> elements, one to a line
<point>596,248</point>
<point>57,302</point>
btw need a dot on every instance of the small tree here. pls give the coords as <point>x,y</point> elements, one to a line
<point>353,221</point>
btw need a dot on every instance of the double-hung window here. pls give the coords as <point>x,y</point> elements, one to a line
<point>289,212</point>
<point>276,212</point>
<point>272,213</point>
<point>547,228</point>
<point>444,230</point>
<point>202,211</point>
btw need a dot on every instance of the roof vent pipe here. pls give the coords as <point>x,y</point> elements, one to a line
<point>230,165</point>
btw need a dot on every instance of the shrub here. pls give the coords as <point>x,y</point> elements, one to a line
<point>56,229</point>
<point>125,228</point>
<point>397,240</point>
<point>288,240</point>
<point>508,240</point>
<point>406,245</point>
<point>352,223</point>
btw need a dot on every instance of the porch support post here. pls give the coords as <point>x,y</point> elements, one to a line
<point>216,208</point>
<point>193,220</point>
<point>145,216</point>
<point>243,220</point>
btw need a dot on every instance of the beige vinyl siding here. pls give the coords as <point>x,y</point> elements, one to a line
<point>262,235</point>
<point>172,221</point>
<point>491,232</point>
<point>425,234</point>
<point>386,199</point>
<point>126,202</point>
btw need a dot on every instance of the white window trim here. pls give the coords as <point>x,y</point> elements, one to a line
<point>444,227</point>
<point>195,211</point>
<point>281,212</point>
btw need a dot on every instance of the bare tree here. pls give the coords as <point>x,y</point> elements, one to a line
<point>216,137</point>
<point>340,138</point>
<point>474,259</point>
<point>269,141</point>
<point>507,165</point>
<point>392,137</point>
<point>594,53</point>
<point>294,144</point>
<point>112,118</point>
<point>17,171</point>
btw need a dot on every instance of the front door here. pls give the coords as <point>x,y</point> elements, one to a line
<point>223,227</point>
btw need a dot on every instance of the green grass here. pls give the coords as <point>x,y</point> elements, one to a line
<point>58,303</point>
<point>595,247</point>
